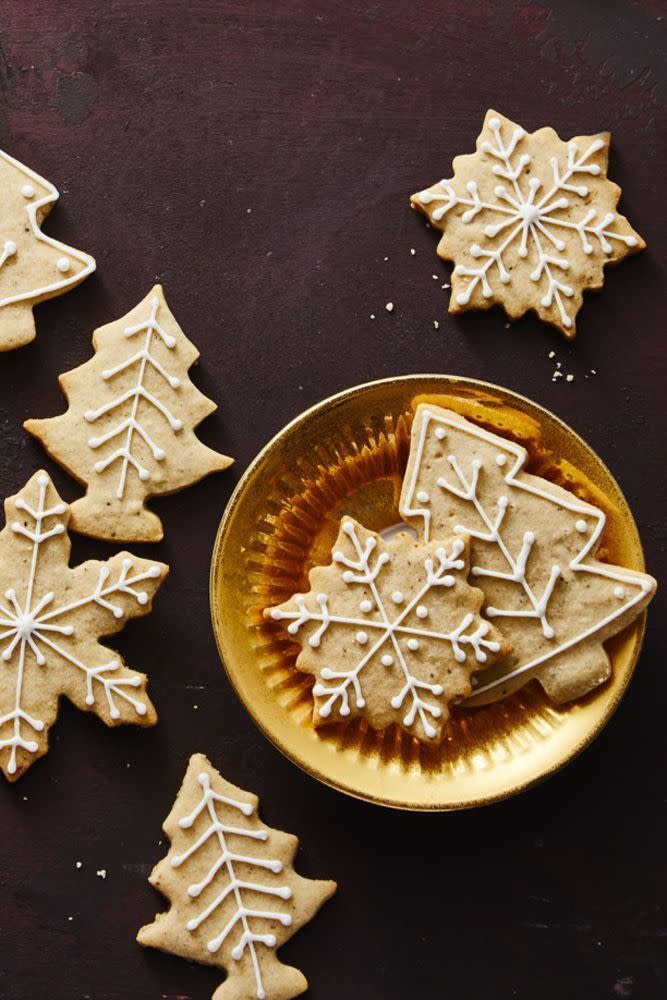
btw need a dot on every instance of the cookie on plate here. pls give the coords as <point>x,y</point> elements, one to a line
<point>391,631</point>
<point>533,553</point>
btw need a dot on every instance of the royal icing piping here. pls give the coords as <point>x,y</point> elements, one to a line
<point>527,217</point>
<point>63,264</point>
<point>28,627</point>
<point>131,424</point>
<point>236,886</point>
<point>388,631</point>
<point>466,490</point>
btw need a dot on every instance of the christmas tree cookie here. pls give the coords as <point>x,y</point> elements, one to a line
<point>235,897</point>
<point>533,553</point>
<point>51,618</point>
<point>129,431</point>
<point>529,221</point>
<point>391,631</point>
<point>33,266</point>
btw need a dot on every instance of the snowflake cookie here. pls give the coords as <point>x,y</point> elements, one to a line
<point>33,266</point>
<point>235,897</point>
<point>129,432</point>
<point>533,553</point>
<point>530,222</point>
<point>391,631</point>
<point>50,619</point>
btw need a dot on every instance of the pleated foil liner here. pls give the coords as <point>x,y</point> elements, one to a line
<point>348,457</point>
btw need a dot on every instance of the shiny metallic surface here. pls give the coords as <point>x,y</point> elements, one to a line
<point>347,456</point>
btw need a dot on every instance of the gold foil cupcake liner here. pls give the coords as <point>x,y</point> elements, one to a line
<point>348,456</point>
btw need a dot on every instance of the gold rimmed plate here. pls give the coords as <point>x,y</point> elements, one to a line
<point>347,455</point>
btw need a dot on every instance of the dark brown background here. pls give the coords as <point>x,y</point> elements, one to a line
<point>256,157</point>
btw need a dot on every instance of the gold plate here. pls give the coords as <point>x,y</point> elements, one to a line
<point>347,456</point>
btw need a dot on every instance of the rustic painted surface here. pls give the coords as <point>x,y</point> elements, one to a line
<point>256,157</point>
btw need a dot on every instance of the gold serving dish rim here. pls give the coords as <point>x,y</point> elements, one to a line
<point>375,780</point>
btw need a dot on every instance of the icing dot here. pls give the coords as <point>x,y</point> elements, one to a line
<point>581,527</point>
<point>440,433</point>
<point>501,460</point>
<point>387,660</point>
<point>28,191</point>
<point>423,496</point>
<point>413,644</point>
<point>63,264</point>
<point>619,592</point>
<point>366,606</point>
<point>494,122</point>
<point>10,248</point>
<point>422,611</point>
<point>398,597</point>
<point>361,638</point>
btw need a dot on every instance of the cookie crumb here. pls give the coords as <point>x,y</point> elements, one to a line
<point>386,258</point>
<point>372,315</point>
<point>436,324</point>
<point>552,354</point>
<point>593,371</point>
<point>413,251</point>
<point>435,277</point>
<point>101,872</point>
<point>569,378</point>
<point>79,864</point>
<point>445,286</point>
<point>389,307</point>
<point>556,375</point>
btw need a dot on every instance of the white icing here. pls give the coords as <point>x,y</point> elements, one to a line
<point>364,569</point>
<point>138,394</point>
<point>465,488</point>
<point>9,250</point>
<point>227,857</point>
<point>527,219</point>
<point>31,623</point>
<point>51,194</point>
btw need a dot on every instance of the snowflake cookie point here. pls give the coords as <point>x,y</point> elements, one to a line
<point>502,243</point>
<point>414,654</point>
